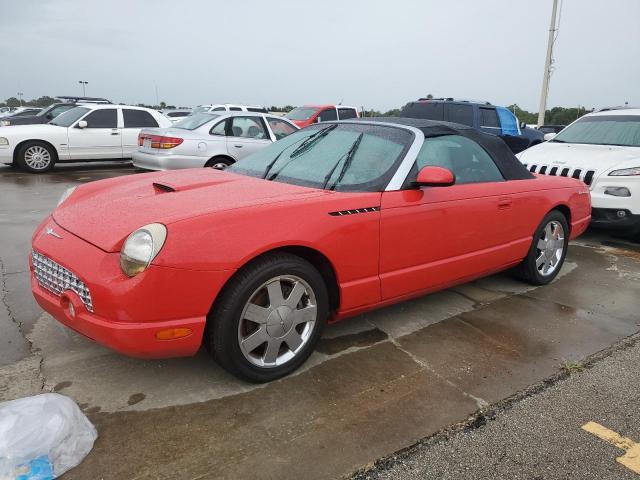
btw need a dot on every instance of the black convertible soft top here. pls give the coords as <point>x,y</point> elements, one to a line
<point>505,160</point>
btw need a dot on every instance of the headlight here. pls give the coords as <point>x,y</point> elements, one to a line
<point>141,247</point>
<point>5,123</point>
<point>67,193</point>
<point>4,141</point>
<point>625,172</point>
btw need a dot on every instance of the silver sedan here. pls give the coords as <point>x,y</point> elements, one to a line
<point>208,140</point>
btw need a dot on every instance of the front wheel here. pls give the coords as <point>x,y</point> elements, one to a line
<point>547,252</point>
<point>267,321</point>
<point>36,157</point>
<point>219,163</point>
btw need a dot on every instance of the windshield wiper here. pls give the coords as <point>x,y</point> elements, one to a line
<point>303,147</point>
<point>275,159</point>
<point>347,163</point>
<point>312,140</point>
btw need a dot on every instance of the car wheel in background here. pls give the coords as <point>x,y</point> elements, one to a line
<point>547,252</point>
<point>219,163</point>
<point>36,157</point>
<point>268,319</point>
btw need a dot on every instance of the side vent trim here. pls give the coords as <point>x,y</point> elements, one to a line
<point>354,211</point>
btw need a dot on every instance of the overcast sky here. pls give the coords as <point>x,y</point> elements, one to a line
<point>376,53</point>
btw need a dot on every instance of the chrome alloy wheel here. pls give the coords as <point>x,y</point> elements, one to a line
<point>550,248</point>
<point>220,165</point>
<point>37,157</point>
<point>277,321</point>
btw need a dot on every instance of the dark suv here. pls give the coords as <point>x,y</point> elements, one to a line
<point>482,116</point>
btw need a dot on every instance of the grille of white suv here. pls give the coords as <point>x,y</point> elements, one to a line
<point>582,174</point>
<point>57,279</point>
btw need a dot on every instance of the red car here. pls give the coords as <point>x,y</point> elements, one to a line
<point>327,223</point>
<point>310,114</point>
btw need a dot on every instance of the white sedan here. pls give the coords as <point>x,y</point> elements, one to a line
<point>209,140</point>
<point>85,133</point>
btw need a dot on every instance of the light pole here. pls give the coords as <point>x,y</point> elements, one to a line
<point>547,65</point>
<point>20,97</point>
<point>83,83</point>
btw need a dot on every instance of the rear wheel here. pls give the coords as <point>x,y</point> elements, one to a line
<point>219,163</point>
<point>547,252</point>
<point>267,321</point>
<point>36,157</point>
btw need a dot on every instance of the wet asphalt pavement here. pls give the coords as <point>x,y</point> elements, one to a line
<point>378,383</point>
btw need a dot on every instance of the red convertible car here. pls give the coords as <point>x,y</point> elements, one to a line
<point>327,223</point>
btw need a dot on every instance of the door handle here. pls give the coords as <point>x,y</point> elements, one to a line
<point>238,146</point>
<point>115,133</point>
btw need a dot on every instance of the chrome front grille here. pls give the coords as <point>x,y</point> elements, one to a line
<point>585,175</point>
<point>57,279</point>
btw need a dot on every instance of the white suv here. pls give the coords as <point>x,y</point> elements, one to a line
<point>603,150</point>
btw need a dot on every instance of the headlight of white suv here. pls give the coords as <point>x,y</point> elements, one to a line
<point>625,172</point>
<point>4,141</point>
<point>141,247</point>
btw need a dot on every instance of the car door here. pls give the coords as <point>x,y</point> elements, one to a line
<point>133,121</point>
<point>489,122</point>
<point>434,236</point>
<point>245,135</point>
<point>100,139</point>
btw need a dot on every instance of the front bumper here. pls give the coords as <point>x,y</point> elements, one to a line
<point>153,161</point>
<point>612,219</point>
<point>128,313</point>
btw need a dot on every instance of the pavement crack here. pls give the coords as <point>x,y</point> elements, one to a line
<point>481,403</point>
<point>4,292</point>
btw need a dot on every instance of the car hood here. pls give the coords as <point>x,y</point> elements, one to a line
<point>32,120</point>
<point>27,131</point>
<point>586,157</point>
<point>105,212</point>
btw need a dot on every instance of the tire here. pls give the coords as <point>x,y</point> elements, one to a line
<point>36,157</point>
<point>219,163</point>
<point>532,269</point>
<point>266,347</point>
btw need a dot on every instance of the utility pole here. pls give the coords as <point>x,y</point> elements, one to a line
<point>83,83</point>
<point>547,66</point>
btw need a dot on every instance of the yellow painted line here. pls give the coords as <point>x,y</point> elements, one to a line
<point>631,459</point>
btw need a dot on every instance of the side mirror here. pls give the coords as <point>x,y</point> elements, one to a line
<point>549,136</point>
<point>82,124</point>
<point>431,176</point>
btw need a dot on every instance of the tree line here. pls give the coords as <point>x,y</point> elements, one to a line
<point>553,116</point>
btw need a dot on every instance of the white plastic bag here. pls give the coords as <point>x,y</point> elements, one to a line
<point>48,425</point>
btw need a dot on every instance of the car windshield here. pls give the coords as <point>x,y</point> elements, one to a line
<point>200,109</point>
<point>301,113</point>
<point>67,118</point>
<point>343,157</point>
<point>623,130</point>
<point>193,121</point>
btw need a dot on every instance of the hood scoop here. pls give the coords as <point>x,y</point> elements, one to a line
<point>161,187</point>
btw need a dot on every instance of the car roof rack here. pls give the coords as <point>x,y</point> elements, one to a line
<point>451,99</point>
<point>622,107</point>
<point>74,99</point>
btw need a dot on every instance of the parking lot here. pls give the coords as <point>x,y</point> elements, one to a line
<point>377,383</point>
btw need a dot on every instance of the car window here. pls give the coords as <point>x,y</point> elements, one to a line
<point>469,162</point>
<point>280,128</point>
<point>248,127</point>
<point>138,119</point>
<point>301,113</point>
<point>55,111</point>
<point>103,118</point>
<point>347,113</point>
<point>235,109</point>
<point>177,114</point>
<point>508,122</point>
<point>219,109</point>
<point>219,128</point>
<point>489,118</point>
<point>462,114</point>
<point>343,157</point>
<point>327,115</point>
<point>257,109</point>
<point>623,130</point>
<point>426,110</point>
